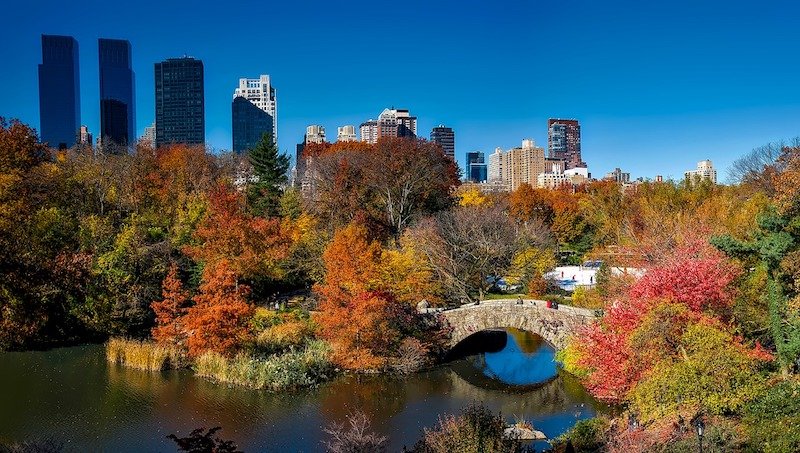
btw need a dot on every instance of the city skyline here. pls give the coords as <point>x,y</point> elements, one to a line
<point>655,103</point>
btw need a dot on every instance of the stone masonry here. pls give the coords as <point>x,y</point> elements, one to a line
<point>555,325</point>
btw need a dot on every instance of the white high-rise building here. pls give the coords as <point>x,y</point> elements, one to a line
<point>346,134</point>
<point>369,131</point>
<point>315,134</point>
<point>705,170</point>
<point>262,94</point>
<point>149,136</point>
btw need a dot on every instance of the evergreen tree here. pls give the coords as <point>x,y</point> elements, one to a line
<point>263,197</point>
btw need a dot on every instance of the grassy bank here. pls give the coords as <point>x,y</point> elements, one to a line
<point>144,355</point>
<point>294,369</point>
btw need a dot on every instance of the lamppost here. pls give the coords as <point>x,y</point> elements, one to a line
<point>700,426</point>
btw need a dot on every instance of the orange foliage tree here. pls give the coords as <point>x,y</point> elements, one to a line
<point>251,246</point>
<point>219,319</point>
<point>170,310</point>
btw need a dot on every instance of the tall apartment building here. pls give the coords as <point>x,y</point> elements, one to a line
<point>446,138</point>
<point>369,131</point>
<point>618,176</point>
<point>396,123</point>
<point>705,170</point>
<point>180,101</point>
<point>315,134</point>
<point>346,134</point>
<point>148,138</point>
<point>59,92</point>
<point>117,93</point>
<point>260,93</point>
<point>84,136</point>
<point>517,166</point>
<point>564,142</point>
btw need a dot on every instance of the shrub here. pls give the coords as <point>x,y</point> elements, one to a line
<point>276,372</point>
<point>586,436</point>
<point>413,356</point>
<point>587,298</point>
<point>145,355</point>
<point>354,436</point>
<point>476,430</point>
<point>33,446</point>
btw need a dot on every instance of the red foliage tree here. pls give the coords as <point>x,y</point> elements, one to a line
<point>170,310</point>
<point>219,319</point>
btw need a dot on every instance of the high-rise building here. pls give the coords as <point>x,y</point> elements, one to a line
<point>250,123</point>
<point>519,166</point>
<point>476,167</point>
<point>59,91</point>
<point>315,134</point>
<point>84,136</point>
<point>705,170</point>
<point>369,131</point>
<point>564,142</point>
<point>180,101</point>
<point>396,123</point>
<point>260,93</point>
<point>346,134</point>
<point>618,176</point>
<point>117,93</point>
<point>446,138</point>
<point>148,139</point>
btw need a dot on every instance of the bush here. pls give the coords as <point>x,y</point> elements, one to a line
<point>33,446</point>
<point>586,436</point>
<point>773,419</point>
<point>202,441</point>
<point>413,356</point>
<point>145,355</point>
<point>355,438</point>
<point>276,372</point>
<point>587,298</point>
<point>476,430</point>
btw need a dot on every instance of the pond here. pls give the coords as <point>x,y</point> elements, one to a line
<point>74,397</point>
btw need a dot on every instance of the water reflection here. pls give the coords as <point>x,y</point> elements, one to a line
<point>72,394</point>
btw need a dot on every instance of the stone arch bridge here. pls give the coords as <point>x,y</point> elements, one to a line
<point>555,325</point>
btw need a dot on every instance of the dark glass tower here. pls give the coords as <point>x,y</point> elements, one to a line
<point>59,92</point>
<point>117,106</point>
<point>180,102</point>
<point>476,167</point>
<point>446,138</point>
<point>249,124</point>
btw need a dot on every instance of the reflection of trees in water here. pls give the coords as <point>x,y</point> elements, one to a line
<point>528,342</point>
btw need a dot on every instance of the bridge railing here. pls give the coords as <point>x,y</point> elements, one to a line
<point>521,303</point>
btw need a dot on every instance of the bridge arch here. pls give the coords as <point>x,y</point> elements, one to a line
<point>555,325</point>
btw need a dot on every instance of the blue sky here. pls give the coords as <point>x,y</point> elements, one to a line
<point>657,86</point>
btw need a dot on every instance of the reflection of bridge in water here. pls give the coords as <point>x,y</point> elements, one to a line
<point>555,325</point>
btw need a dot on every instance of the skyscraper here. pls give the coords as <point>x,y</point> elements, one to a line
<point>59,91</point>
<point>518,166</point>
<point>396,123</point>
<point>476,167</point>
<point>180,102</point>
<point>260,93</point>
<point>148,138</point>
<point>84,136</point>
<point>315,134</point>
<point>117,96</point>
<point>446,138</point>
<point>564,142</point>
<point>250,123</point>
<point>346,134</point>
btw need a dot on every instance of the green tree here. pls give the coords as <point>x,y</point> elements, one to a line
<point>270,167</point>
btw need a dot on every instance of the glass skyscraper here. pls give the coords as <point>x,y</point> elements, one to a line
<point>476,167</point>
<point>446,138</point>
<point>180,101</point>
<point>59,92</point>
<point>250,123</point>
<point>117,97</point>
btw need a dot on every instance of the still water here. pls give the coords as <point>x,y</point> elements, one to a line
<point>73,396</point>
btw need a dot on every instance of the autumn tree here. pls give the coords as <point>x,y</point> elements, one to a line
<point>170,310</point>
<point>469,248</point>
<point>392,182</point>
<point>218,320</point>
<point>269,168</point>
